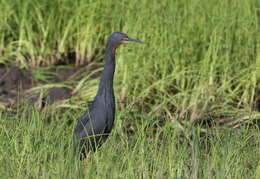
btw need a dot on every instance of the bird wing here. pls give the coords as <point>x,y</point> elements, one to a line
<point>92,122</point>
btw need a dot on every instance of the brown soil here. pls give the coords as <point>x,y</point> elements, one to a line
<point>57,94</point>
<point>15,81</point>
<point>12,80</point>
<point>13,77</point>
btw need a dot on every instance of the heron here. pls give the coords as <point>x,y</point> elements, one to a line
<point>95,125</point>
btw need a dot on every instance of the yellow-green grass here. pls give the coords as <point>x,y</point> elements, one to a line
<point>34,146</point>
<point>200,58</point>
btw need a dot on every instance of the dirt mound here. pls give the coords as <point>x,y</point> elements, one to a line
<point>14,77</point>
<point>57,94</point>
<point>63,74</point>
<point>15,81</point>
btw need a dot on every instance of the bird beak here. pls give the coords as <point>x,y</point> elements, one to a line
<point>128,40</point>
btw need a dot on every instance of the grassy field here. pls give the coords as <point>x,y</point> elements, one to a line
<point>199,67</point>
<point>31,147</point>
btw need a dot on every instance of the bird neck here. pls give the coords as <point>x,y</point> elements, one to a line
<point>107,76</point>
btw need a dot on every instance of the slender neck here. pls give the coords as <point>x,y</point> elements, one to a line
<point>107,76</point>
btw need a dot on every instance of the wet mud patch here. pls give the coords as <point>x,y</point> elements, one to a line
<point>13,80</point>
<point>12,77</point>
<point>16,83</point>
<point>58,94</point>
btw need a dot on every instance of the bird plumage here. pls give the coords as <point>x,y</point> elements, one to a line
<point>97,122</point>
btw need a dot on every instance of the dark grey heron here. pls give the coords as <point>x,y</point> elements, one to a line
<point>95,125</point>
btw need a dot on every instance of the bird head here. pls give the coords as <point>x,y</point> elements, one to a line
<point>118,38</point>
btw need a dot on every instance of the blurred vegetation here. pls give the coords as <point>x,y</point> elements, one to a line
<point>201,59</point>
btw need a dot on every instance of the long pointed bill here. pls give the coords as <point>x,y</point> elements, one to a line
<point>128,40</point>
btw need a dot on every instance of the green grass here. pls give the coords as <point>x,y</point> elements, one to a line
<point>200,58</point>
<point>200,62</point>
<point>32,147</point>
